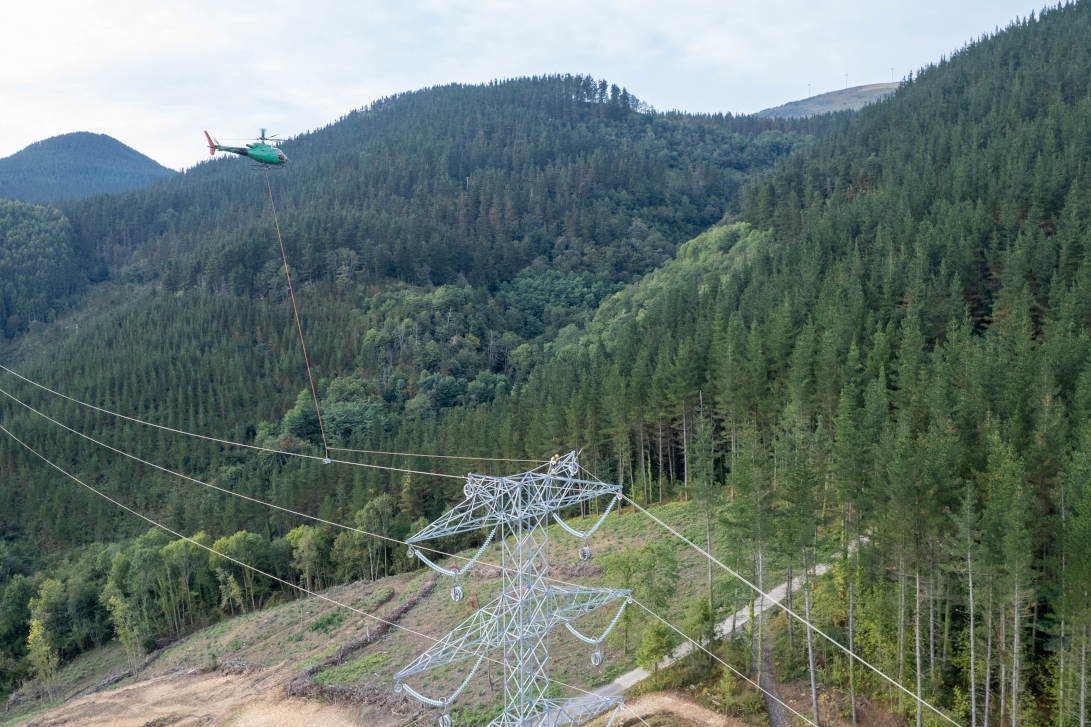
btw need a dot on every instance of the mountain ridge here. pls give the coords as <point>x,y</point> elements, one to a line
<point>75,165</point>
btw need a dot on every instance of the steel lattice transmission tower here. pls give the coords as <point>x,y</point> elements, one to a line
<point>515,510</point>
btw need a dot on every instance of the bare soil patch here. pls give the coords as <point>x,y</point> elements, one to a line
<point>833,706</point>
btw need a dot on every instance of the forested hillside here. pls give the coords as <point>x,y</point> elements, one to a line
<point>38,266</point>
<point>75,165</point>
<point>448,183</point>
<point>888,339</point>
<point>566,187</point>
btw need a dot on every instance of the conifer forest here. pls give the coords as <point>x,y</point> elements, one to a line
<point>863,336</point>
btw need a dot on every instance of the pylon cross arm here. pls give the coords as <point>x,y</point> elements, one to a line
<point>492,501</point>
<point>495,626</point>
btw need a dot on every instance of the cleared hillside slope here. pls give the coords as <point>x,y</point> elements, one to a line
<point>847,99</point>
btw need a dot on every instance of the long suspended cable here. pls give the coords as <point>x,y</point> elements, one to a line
<point>230,492</point>
<point>733,670</point>
<point>275,451</point>
<point>300,588</point>
<point>417,547</point>
<point>471,560</point>
<point>298,325</point>
<point>437,456</point>
<point>226,441</point>
<point>793,614</point>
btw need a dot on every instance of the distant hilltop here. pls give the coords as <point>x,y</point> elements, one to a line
<point>75,165</point>
<point>847,99</point>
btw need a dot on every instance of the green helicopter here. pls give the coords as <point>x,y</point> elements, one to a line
<point>259,151</point>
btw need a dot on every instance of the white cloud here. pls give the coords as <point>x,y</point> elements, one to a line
<point>154,75</point>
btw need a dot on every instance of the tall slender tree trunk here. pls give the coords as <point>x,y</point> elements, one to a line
<point>932,626</point>
<point>620,481</point>
<point>643,479</point>
<point>1083,678</point>
<point>901,632</point>
<point>1015,658</point>
<point>788,602</point>
<point>751,641</point>
<point>852,652</point>
<point>810,653</point>
<point>660,461</point>
<point>917,647</point>
<point>1060,653</point>
<point>708,548</point>
<point>1003,666</point>
<point>632,482</point>
<point>761,617</point>
<point>735,603</point>
<point>988,659</point>
<point>670,461</point>
<point>685,456</point>
<point>973,660</point>
<point>946,623</point>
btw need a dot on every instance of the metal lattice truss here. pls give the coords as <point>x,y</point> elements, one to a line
<point>497,625</point>
<point>492,501</point>
<point>520,620</point>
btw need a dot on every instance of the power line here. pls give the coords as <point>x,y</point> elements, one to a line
<point>437,456</point>
<point>317,519</point>
<point>347,527</point>
<point>298,325</point>
<point>786,610</point>
<point>733,669</point>
<point>215,487</point>
<point>225,441</point>
<point>250,567</point>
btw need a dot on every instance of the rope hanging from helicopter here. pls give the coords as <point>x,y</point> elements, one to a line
<point>299,326</point>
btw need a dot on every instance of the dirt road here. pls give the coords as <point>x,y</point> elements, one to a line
<point>198,700</point>
<point>673,708</point>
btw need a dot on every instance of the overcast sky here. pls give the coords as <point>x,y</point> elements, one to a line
<point>154,75</point>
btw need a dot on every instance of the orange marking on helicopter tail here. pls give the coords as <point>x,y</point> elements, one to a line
<point>211,148</point>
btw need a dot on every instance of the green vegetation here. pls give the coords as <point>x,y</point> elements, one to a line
<point>38,267</point>
<point>886,341</point>
<point>353,672</point>
<point>445,184</point>
<point>75,165</point>
<point>229,358</point>
<point>331,620</point>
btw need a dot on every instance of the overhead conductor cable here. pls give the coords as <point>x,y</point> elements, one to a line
<point>793,614</point>
<point>416,546</point>
<point>299,588</point>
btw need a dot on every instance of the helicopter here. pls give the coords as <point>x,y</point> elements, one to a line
<point>261,152</point>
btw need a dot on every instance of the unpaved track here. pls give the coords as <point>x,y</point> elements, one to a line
<point>723,628</point>
<point>203,700</point>
<point>676,705</point>
<point>778,715</point>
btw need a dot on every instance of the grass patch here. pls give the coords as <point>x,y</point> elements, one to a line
<point>372,601</point>
<point>328,622</point>
<point>319,657</point>
<point>353,672</point>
